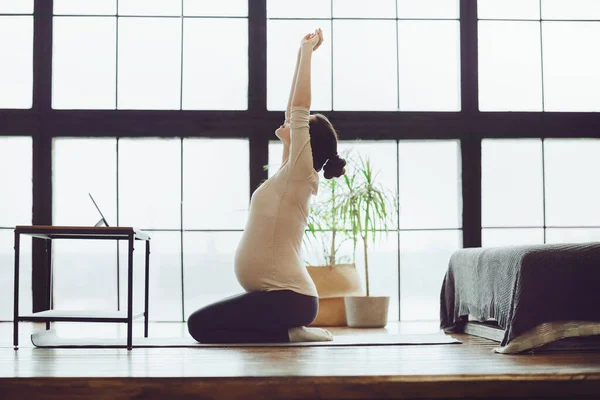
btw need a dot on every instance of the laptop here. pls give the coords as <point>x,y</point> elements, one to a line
<point>102,221</point>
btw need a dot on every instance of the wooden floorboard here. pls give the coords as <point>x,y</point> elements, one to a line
<point>470,370</point>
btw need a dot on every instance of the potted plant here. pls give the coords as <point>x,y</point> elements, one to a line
<point>364,209</point>
<point>335,276</point>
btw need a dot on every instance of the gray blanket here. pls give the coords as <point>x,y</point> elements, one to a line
<point>521,286</point>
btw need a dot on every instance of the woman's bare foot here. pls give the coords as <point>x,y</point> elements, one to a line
<point>304,334</point>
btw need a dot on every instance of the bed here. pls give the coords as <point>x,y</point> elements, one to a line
<point>534,295</point>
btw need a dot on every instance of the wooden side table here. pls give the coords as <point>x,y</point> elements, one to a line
<point>50,233</point>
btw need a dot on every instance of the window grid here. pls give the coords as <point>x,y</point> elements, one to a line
<point>544,226</point>
<point>541,21</point>
<point>118,15</point>
<point>332,19</point>
<point>181,229</point>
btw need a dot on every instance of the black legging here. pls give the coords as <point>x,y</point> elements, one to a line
<point>255,317</point>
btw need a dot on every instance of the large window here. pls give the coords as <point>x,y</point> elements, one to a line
<point>424,177</point>
<point>392,55</point>
<point>538,191</point>
<point>165,186</point>
<point>535,55</point>
<point>481,116</point>
<point>168,55</point>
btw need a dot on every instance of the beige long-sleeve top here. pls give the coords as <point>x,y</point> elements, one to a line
<point>268,256</point>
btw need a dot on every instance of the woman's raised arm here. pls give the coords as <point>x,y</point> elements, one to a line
<point>302,93</point>
<point>288,109</point>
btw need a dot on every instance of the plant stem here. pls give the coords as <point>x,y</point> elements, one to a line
<point>333,225</point>
<point>365,244</point>
<point>332,253</point>
<point>366,265</point>
<point>365,247</point>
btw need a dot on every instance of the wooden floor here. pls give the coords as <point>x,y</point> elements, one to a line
<point>469,370</point>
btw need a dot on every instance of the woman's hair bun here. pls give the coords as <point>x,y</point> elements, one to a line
<point>334,167</point>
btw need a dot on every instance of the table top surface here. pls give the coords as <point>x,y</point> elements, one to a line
<point>91,232</point>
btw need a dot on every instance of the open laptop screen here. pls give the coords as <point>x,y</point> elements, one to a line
<point>102,221</point>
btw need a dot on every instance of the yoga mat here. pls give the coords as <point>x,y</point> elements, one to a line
<point>48,339</point>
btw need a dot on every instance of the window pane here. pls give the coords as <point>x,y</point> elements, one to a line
<point>149,63</point>
<point>572,195</point>
<point>15,209</point>
<point>424,260</point>
<point>358,9</point>
<point>16,198</point>
<point>511,237</point>
<point>510,73</point>
<point>7,274</point>
<point>87,7</point>
<point>429,80</point>
<point>150,183</point>
<point>316,250</point>
<point>297,9</point>
<point>571,69</point>
<point>511,183</point>
<point>16,68</point>
<point>365,76</point>
<point>165,300</point>
<point>215,193</point>
<point>82,166</point>
<point>430,184</point>
<point>283,38</point>
<point>383,270</point>
<point>572,9</point>
<point>508,9</point>
<point>382,155</point>
<point>84,57</point>
<point>554,235</point>
<point>238,8</point>
<point>275,155</point>
<point>428,9</point>
<point>149,7</point>
<point>16,6</point>
<point>209,273</point>
<point>85,275</point>
<point>215,72</point>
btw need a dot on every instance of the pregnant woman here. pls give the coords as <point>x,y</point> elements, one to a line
<point>280,296</point>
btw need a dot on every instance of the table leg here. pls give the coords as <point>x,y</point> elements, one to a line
<point>130,294</point>
<point>16,293</point>
<point>147,283</point>
<point>49,266</point>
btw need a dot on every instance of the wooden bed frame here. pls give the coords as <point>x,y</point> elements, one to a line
<point>490,330</point>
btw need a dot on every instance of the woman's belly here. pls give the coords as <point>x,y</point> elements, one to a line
<point>263,263</point>
<point>254,254</point>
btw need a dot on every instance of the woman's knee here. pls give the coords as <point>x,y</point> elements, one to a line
<point>300,309</point>
<point>312,311</point>
<point>197,324</point>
